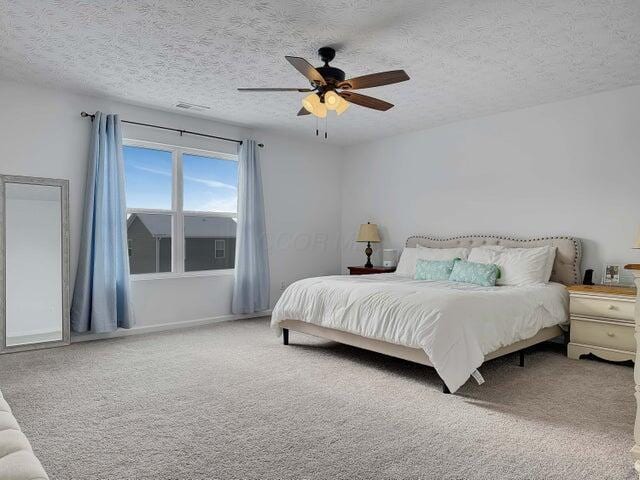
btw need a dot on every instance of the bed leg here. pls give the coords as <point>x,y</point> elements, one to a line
<point>285,336</point>
<point>521,358</point>
<point>445,389</point>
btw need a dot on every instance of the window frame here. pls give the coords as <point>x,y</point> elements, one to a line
<point>177,212</point>
<point>216,249</point>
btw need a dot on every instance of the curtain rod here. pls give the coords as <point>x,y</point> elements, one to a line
<point>181,132</point>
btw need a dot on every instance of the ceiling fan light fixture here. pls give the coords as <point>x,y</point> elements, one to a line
<point>311,103</point>
<point>320,111</point>
<point>342,106</point>
<point>331,100</point>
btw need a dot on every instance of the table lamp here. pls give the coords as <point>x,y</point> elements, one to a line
<point>368,233</point>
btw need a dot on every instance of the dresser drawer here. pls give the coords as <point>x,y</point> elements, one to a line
<point>602,307</point>
<point>603,334</point>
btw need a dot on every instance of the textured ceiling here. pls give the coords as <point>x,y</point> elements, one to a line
<point>466,58</point>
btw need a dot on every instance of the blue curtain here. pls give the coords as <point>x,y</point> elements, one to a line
<point>251,285</point>
<point>101,292</point>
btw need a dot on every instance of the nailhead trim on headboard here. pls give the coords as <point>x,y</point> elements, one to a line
<point>577,245</point>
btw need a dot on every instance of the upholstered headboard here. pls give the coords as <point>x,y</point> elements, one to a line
<point>566,268</point>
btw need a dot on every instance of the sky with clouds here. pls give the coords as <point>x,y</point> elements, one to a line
<point>210,184</point>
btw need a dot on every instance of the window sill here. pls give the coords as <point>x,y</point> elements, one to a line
<point>141,277</point>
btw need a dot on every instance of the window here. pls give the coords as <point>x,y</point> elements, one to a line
<point>181,208</point>
<point>149,178</point>
<point>219,253</point>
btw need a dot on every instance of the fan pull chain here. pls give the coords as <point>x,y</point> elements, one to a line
<point>317,129</point>
<point>325,127</point>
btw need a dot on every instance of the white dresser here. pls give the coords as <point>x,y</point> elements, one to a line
<point>602,322</point>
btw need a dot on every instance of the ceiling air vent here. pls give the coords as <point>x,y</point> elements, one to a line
<point>192,106</point>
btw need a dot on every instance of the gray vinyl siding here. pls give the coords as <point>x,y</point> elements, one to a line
<point>200,254</point>
<point>165,254</point>
<point>142,248</point>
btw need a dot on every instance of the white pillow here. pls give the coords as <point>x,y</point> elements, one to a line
<point>410,255</point>
<point>407,262</point>
<point>551,260</point>
<point>427,253</point>
<point>518,266</point>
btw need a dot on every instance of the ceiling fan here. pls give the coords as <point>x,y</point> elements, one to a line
<point>330,90</point>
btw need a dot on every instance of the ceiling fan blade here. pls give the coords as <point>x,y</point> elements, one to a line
<point>306,69</point>
<point>303,111</point>
<point>275,90</point>
<point>366,101</point>
<point>374,80</point>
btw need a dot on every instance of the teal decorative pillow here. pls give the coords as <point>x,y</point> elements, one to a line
<point>484,274</point>
<point>434,269</point>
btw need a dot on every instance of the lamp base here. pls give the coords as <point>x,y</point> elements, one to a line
<point>368,251</point>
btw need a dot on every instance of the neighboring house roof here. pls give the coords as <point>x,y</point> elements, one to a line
<point>194,227</point>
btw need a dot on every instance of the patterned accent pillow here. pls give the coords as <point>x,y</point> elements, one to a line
<point>484,274</point>
<point>434,269</point>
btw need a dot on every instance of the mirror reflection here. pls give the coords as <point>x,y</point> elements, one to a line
<point>33,235</point>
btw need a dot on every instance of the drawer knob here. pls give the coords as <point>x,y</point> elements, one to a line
<point>611,334</point>
<point>612,307</point>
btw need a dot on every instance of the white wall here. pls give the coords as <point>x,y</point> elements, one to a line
<point>567,168</point>
<point>44,135</point>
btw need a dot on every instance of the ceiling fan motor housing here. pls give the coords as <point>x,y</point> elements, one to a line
<point>331,75</point>
<point>326,54</point>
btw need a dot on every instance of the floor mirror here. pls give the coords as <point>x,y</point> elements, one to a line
<point>34,309</point>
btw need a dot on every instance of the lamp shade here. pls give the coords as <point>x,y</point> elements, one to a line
<point>331,100</point>
<point>368,233</point>
<point>320,110</point>
<point>636,243</point>
<point>342,106</point>
<point>311,103</point>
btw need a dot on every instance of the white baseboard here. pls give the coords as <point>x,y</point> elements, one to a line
<point>162,327</point>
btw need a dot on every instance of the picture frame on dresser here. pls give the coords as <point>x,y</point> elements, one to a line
<point>611,274</point>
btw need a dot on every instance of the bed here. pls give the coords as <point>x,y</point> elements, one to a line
<point>452,327</point>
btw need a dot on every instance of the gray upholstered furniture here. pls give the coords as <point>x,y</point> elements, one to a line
<point>566,268</point>
<point>17,460</point>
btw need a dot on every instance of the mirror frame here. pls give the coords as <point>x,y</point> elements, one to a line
<point>65,233</point>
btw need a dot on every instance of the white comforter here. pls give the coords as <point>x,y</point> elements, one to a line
<point>456,324</point>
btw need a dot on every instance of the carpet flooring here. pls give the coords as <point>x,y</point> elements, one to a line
<point>229,401</point>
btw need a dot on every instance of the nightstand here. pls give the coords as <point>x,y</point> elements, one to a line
<point>367,271</point>
<point>602,322</point>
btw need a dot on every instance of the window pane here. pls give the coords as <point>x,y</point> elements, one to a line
<point>210,184</point>
<point>149,242</point>
<point>209,243</point>
<point>148,175</point>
